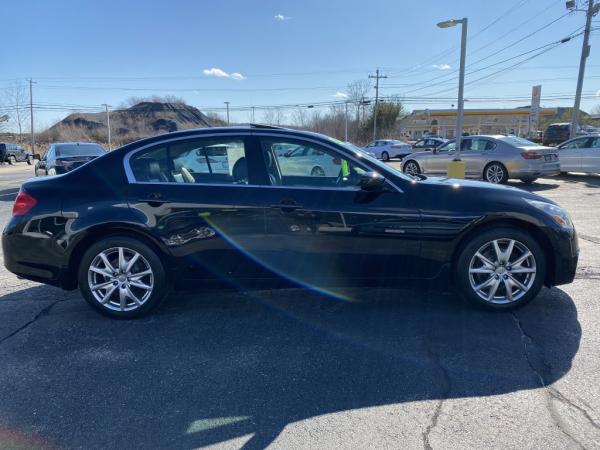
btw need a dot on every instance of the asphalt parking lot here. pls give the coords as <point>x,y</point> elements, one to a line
<point>297,369</point>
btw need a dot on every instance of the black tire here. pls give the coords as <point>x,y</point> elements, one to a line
<point>462,274</point>
<point>29,160</point>
<point>385,156</point>
<point>411,161</point>
<point>149,256</point>
<point>528,180</point>
<point>35,171</point>
<point>12,160</point>
<point>495,167</point>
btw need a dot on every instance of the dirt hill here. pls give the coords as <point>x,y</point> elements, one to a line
<point>147,118</point>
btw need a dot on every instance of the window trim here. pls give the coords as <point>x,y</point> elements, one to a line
<point>131,178</point>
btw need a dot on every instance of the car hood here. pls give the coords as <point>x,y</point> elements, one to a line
<point>483,188</point>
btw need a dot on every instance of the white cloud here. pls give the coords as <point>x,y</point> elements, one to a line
<point>442,66</point>
<point>339,94</point>
<point>220,73</point>
<point>281,17</point>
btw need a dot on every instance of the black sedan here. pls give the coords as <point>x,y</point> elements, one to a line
<point>203,206</point>
<point>63,157</point>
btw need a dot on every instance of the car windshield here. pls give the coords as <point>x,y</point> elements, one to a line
<point>518,142</point>
<point>79,150</point>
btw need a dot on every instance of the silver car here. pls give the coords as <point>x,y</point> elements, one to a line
<point>492,158</point>
<point>581,154</point>
<point>385,149</point>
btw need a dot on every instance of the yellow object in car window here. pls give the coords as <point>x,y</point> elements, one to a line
<point>345,168</point>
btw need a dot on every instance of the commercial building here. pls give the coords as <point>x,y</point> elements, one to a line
<point>476,121</point>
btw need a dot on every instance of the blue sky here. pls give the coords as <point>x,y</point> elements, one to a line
<point>286,52</point>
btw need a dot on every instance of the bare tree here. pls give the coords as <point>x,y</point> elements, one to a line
<point>274,116</point>
<point>358,92</point>
<point>17,100</point>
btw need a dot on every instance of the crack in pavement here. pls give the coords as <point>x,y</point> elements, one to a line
<point>588,272</point>
<point>45,311</point>
<point>435,358</point>
<point>589,238</point>
<point>550,392</point>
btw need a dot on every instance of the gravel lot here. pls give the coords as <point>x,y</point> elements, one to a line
<point>296,369</point>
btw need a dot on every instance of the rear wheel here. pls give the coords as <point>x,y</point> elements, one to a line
<point>411,168</point>
<point>385,156</point>
<point>12,160</point>
<point>495,173</point>
<point>122,277</point>
<point>501,268</point>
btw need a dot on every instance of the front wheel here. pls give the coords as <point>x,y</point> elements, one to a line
<point>122,277</point>
<point>501,268</point>
<point>411,168</point>
<point>495,173</point>
<point>385,156</point>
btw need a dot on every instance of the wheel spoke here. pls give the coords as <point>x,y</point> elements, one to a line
<point>106,262</point>
<point>482,270</point>
<point>102,272</point>
<point>122,263</point>
<point>139,275</point>
<point>131,262</point>
<point>522,259</point>
<point>508,251</point>
<point>486,261</point>
<point>518,284</point>
<point>485,284</point>
<point>133,297</point>
<point>508,286</point>
<point>493,289</point>
<point>499,253</point>
<point>95,287</point>
<point>140,285</point>
<point>123,298</point>
<point>523,270</point>
<point>106,298</point>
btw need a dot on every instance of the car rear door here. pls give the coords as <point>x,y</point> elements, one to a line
<point>200,197</point>
<point>325,229</point>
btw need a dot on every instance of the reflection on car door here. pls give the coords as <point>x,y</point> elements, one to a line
<point>326,230</point>
<point>211,219</point>
<point>571,154</point>
<point>473,153</point>
<point>437,162</point>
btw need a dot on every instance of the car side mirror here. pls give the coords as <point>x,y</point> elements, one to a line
<point>371,182</point>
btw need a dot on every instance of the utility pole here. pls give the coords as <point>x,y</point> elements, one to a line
<point>377,77</point>
<point>106,105</point>
<point>31,114</point>
<point>591,11</point>
<point>227,103</point>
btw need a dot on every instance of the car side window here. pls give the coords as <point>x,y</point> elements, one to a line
<point>321,166</point>
<point>197,161</point>
<point>595,143</point>
<point>449,147</point>
<point>576,143</point>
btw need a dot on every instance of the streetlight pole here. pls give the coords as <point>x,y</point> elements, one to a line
<point>106,105</point>
<point>31,116</point>
<point>456,168</point>
<point>227,103</point>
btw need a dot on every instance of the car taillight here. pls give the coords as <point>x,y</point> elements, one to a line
<point>23,204</point>
<point>530,155</point>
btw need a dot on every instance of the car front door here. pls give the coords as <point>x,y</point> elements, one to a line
<point>473,153</point>
<point>437,162</point>
<point>325,229</point>
<point>200,197</point>
<point>570,154</point>
<point>590,156</point>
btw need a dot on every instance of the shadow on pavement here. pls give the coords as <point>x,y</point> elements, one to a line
<point>8,195</point>
<point>220,365</point>
<point>588,180</point>
<point>537,186</point>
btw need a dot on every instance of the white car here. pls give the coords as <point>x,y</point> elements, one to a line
<point>307,161</point>
<point>385,149</point>
<point>580,154</point>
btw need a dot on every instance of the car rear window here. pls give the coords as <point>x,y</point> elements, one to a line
<point>79,150</point>
<point>518,142</point>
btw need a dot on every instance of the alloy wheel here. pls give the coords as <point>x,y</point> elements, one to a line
<point>411,168</point>
<point>502,271</point>
<point>494,174</point>
<point>385,156</point>
<point>120,279</point>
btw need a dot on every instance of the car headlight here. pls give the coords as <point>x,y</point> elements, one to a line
<point>559,215</point>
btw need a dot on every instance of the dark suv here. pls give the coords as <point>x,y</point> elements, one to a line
<point>13,153</point>
<point>557,133</point>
